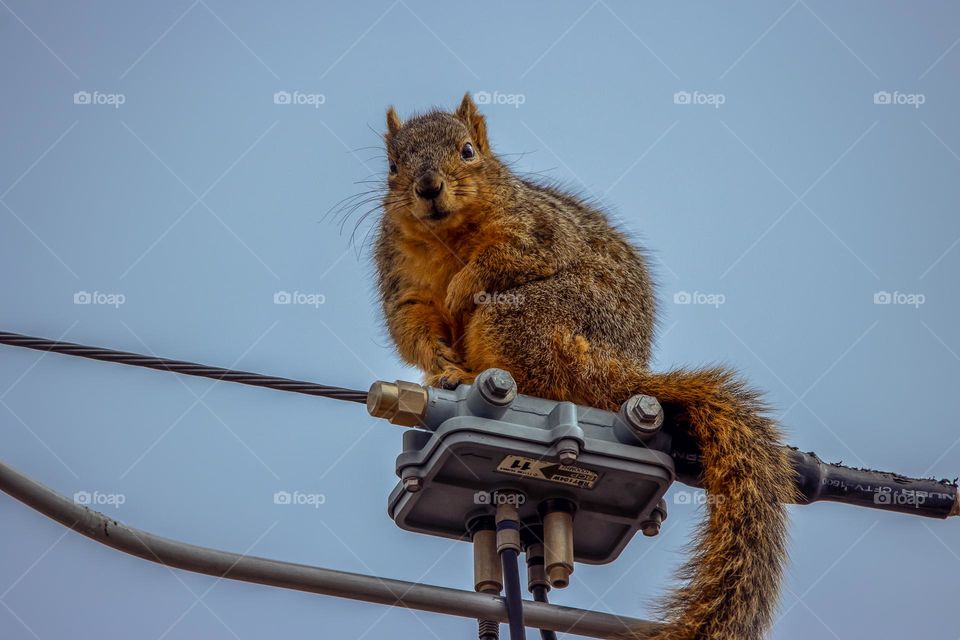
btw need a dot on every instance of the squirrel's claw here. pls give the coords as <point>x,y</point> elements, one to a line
<point>449,378</point>
<point>448,383</point>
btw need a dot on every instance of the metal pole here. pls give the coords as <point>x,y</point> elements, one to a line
<point>233,566</point>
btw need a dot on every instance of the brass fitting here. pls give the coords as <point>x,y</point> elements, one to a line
<point>487,570</point>
<point>536,574</point>
<point>508,537</point>
<point>401,403</point>
<point>558,547</point>
<point>955,511</point>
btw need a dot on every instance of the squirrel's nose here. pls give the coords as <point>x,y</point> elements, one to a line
<point>429,185</point>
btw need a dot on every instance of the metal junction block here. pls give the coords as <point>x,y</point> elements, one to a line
<point>483,443</point>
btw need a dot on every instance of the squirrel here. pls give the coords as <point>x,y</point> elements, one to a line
<point>479,267</point>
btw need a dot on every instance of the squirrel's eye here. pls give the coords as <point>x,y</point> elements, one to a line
<point>467,153</point>
<point>393,167</point>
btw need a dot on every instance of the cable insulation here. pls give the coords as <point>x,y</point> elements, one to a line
<point>511,584</point>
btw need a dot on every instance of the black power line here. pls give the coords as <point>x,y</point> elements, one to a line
<point>182,367</point>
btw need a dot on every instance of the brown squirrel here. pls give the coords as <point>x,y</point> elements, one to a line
<point>459,229</point>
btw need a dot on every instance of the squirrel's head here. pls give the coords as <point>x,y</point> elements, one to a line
<point>441,168</point>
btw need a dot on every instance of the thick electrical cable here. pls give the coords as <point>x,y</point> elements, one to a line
<point>514,597</point>
<point>182,367</point>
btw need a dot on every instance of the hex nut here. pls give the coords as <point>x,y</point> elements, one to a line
<point>643,414</point>
<point>498,386</point>
<point>651,527</point>
<point>568,450</point>
<point>647,408</point>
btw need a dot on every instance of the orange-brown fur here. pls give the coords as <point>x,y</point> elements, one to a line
<point>576,324</point>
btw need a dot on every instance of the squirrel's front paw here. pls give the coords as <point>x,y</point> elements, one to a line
<point>462,292</point>
<point>450,378</point>
<point>446,356</point>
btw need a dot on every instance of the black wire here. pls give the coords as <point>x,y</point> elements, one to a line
<point>540,595</point>
<point>511,583</point>
<point>182,367</point>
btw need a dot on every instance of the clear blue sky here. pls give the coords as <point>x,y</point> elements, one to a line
<point>782,189</point>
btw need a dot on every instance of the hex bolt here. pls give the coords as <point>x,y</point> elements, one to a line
<point>651,527</point>
<point>643,414</point>
<point>412,484</point>
<point>498,386</point>
<point>568,451</point>
<point>647,409</point>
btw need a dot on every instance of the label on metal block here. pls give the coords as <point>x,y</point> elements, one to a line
<point>569,475</point>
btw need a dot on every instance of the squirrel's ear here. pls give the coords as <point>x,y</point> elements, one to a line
<point>393,121</point>
<point>468,113</point>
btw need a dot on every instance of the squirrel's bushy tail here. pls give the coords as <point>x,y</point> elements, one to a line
<point>731,583</point>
